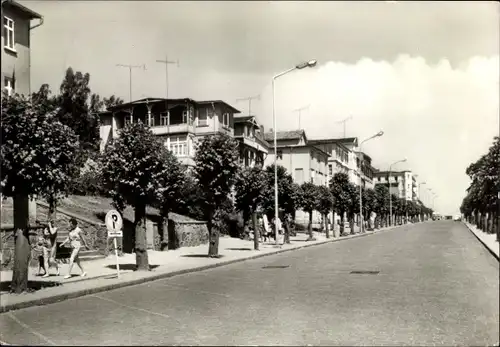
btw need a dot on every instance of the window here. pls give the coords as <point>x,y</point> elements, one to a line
<point>8,33</point>
<point>178,146</point>
<point>152,121</point>
<point>330,170</point>
<point>203,117</point>
<point>164,119</point>
<point>9,86</point>
<point>280,154</point>
<point>127,121</point>
<point>225,119</point>
<point>299,176</point>
<point>184,117</point>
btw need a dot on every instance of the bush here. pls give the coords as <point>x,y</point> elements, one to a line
<point>89,182</point>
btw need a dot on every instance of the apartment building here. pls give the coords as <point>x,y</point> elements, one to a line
<point>16,53</point>
<point>252,145</point>
<point>179,123</point>
<point>304,161</point>
<point>338,160</point>
<point>400,183</point>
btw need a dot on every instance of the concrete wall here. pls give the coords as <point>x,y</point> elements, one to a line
<point>17,63</point>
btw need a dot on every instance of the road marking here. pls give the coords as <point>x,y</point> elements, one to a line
<point>31,330</point>
<point>132,307</point>
<point>192,290</point>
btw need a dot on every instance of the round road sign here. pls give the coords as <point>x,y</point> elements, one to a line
<point>113,221</point>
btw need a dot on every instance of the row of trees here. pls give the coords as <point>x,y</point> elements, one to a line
<point>46,140</point>
<point>481,205</point>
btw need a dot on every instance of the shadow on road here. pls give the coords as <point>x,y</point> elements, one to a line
<point>32,285</point>
<point>132,267</point>
<point>201,256</point>
<point>239,249</point>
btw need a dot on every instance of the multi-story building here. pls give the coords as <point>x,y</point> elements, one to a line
<point>185,122</point>
<point>253,147</point>
<point>16,54</point>
<point>345,158</point>
<point>400,183</point>
<point>304,161</point>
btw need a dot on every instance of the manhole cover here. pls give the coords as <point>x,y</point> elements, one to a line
<point>276,267</point>
<point>365,272</point>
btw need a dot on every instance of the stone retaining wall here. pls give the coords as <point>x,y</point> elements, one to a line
<point>186,234</point>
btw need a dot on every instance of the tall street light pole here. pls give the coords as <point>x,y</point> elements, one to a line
<point>390,194</point>
<point>130,67</point>
<point>301,66</point>
<point>419,197</point>
<point>380,133</point>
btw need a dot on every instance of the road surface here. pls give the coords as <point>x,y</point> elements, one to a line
<point>436,285</point>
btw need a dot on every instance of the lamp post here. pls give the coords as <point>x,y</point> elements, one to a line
<point>390,195</point>
<point>380,133</point>
<point>419,197</point>
<point>300,66</point>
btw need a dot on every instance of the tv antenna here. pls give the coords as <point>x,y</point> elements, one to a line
<point>299,110</point>
<point>249,99</point>
<point>344,121</point>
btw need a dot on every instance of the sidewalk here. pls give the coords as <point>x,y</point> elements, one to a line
<point>488,240</point>
<point>102,274</point>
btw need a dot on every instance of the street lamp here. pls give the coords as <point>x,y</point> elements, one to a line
<point>390,195</point>
<point>300,66</point>
<point>380,133</point>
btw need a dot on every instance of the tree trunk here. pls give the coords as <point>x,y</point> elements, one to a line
<point>327,226</point>
<point>255,231</point>
<point>342,222</point>
<point>52,209</point>
<point>141,252</point>
<point>309,227</point>
<point>22,250</point>
<point>213,237</point>
<point>351,223</point>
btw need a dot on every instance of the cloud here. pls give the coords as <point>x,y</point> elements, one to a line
<point>440,118</point>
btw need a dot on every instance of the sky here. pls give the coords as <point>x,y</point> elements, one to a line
<point>426,73</point>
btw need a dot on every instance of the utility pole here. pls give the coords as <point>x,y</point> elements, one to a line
<point>167,113</point>
<point>299,110</point>
<point>130,67</point>
<point>344,121</point>
<point>249,99</point>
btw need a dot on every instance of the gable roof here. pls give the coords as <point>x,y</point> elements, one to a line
<point>327,142</point>
<point>353,140</point>
<point>285,135</point>
<point>218,102</point>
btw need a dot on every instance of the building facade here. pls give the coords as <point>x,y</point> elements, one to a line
<point>400,183</point>
<point>304,161</point>
<point>16,53</point>
<point>252,145</point>
<point>180,128</point>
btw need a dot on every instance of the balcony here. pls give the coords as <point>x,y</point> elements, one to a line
<point>172,129</point>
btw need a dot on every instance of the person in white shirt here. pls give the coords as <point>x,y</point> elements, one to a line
<point>76,239</point>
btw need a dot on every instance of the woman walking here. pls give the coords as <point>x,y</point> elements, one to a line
<point>76,239</point>
<point>49,251</point>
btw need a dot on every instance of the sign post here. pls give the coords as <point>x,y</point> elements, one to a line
<point>114,224</point>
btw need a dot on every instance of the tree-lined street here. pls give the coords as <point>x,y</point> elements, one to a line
<point>436,285</point>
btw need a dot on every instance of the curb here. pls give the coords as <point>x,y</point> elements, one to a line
<point>492,252</point>
<point>104,288</point>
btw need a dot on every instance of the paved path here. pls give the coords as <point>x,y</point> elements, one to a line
<point>437,286</point>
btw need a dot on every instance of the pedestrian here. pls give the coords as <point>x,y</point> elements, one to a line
<point>49,252</point>
<point>76,239</point>
<point>39,252</point>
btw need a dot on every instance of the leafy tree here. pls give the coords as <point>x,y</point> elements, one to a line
<point>382,203</point>
<point>75,112</point>
<point>249,187</point>
<point>341,191</point>
<point>216,166</point>
<point>369,203</point>
<point>172,184</point>
<point>37,158</point>
<point>134,170</point>
<point>191,198</point>
<point>325,203</point>
<point>309,203</point>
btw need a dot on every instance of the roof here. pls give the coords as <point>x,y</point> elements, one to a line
<point>218,102</point>
<point>302,146</point>
<point>385,173</point>
<point>23,9</point>
<point>285,135</point>
<point>150,100</point>
<point>327,142</point>
<point>244,119</point>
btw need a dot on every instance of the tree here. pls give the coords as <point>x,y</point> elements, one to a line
<point>75,112</point>
<point>37,158</point>
<point>309,203</point>
<point>172,183</point>
<point>340,187</point>
<point>369,203</point>
<point>353,204</point>
<point>325,202</point>
<point>216,166</point>
<point>134,170</point>
<point>249,187</point>
<point>382,203</point>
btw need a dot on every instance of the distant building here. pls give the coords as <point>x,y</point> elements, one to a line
<point>185,122</point>
<point>16,53</point>
<point>401,183</point>
<point>304,161</point>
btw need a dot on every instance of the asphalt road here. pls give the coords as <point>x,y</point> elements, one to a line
<point>437,285</point>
